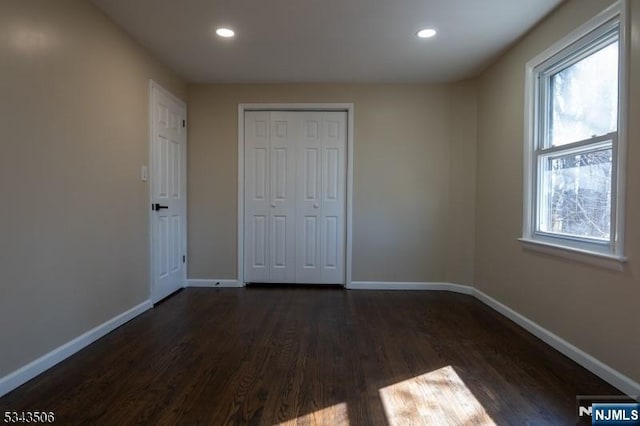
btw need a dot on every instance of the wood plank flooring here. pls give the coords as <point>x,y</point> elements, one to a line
<point>313,356</point>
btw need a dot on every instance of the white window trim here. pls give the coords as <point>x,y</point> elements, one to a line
<point>615,258</point>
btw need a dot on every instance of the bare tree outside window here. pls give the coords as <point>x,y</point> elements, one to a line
<point>580,194</point>
<point>575,192</point>
<point>584,98</point>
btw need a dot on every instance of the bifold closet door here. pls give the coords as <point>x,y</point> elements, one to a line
<point>257,203</point>
<point>282,172</point>
<point>333,197</point>
<point>295,196</point>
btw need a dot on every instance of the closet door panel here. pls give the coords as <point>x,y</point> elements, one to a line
<point>309,198</point>
<point>256,196</point>
<point>333,197</point>
<point>282,244</point>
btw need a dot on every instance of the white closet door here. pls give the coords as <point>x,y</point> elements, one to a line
<point>332,224</point>
<point>284,129</point>
<point>257,196</point>
<point>295,197</point>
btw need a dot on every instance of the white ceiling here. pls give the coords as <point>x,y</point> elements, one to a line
<point>326,40</point>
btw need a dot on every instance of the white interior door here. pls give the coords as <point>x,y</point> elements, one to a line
<point>295,197</point>
<point>168,193</point>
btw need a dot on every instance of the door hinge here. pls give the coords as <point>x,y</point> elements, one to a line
<point>184,123</point>
<point>184,259</point>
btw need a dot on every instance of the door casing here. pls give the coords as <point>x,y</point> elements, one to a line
<point>344,107</point>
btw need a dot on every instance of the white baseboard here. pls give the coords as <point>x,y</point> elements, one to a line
<point>214,283</point>
<point>31,370</point>
<point>387,285</point>
<point>600,369</point>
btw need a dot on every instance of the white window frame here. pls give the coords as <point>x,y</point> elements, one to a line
<point>609,254</point>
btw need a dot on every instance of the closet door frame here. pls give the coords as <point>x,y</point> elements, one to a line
<point>340,107</point>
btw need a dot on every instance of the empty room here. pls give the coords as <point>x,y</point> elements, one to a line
<point>339,212</point>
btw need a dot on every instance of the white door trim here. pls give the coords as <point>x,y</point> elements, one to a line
<point>153,85</point>
<point>346,107</point>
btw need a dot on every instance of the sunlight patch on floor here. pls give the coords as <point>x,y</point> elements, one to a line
<point>334,415</point>
<point>438,397</point>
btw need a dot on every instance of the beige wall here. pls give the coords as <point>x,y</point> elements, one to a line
<point>593,308</point>
<point>461,218</point>
<point>73,220</point>
<point>402,176</point>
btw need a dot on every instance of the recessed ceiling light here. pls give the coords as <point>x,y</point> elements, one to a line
<point>225,32</point>
<point>426,33</point>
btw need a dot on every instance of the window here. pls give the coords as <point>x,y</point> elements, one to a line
<point>574,150</point>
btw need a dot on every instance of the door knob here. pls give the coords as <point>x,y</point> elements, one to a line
<point>158,207</point>
<point>273,205</point>
<point>316,206</point>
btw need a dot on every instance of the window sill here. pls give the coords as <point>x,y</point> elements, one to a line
<point>602,260</point>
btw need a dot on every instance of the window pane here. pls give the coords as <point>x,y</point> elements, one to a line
<point>584,98</point>
<point>575,194</point>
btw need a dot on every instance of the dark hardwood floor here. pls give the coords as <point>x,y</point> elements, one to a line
<point>313,356</point>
